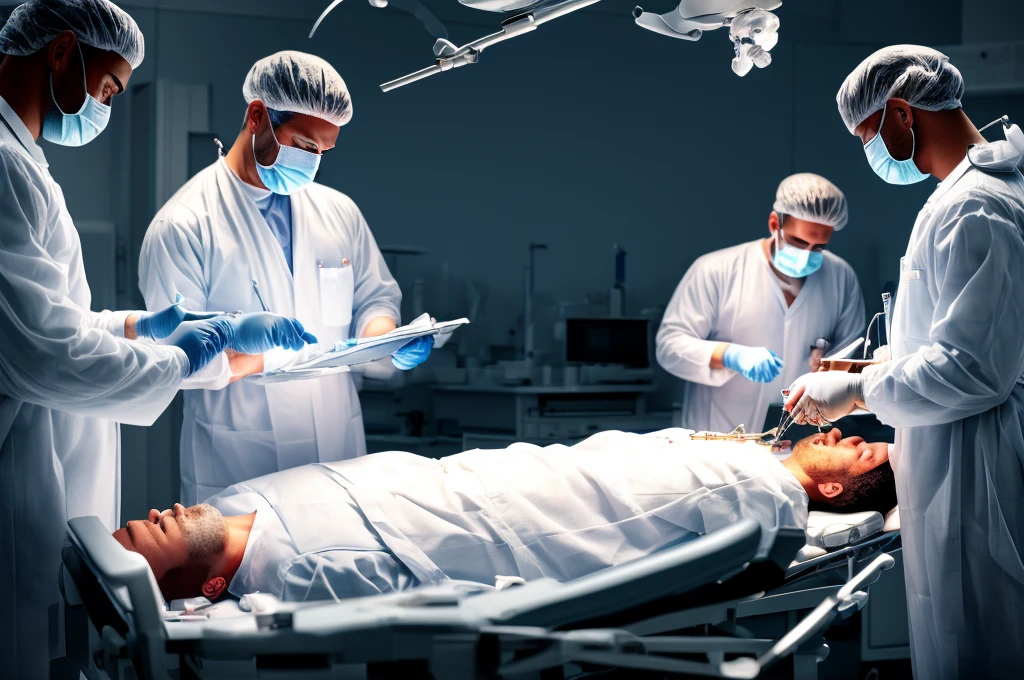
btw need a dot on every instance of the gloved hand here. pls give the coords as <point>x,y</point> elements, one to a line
<point>824,396</point>
<point>203,340</point>
<point>261,332</point>
<point>413,353</point>
<point>758,364</point>
<point>158,325</point>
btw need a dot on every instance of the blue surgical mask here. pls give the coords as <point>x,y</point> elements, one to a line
<point>887,167</point>
<point>793,261</point>
<point>75,129</point>
<point>293,170</point>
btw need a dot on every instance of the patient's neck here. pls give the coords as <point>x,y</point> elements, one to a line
<point>810,486</point>
<point>230,560</point>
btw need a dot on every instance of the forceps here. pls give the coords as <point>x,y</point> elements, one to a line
<point>259,296</point>
<point>786,422</point>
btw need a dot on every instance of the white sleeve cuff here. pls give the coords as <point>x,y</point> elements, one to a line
<point>214,376</point>
<point>279,357</point>
<point>112,322</point>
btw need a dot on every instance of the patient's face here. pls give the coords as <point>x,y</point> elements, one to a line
<point>174,540</point>
<point>830,456</point>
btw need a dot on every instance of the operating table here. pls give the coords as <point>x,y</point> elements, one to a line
<point>677,612</point>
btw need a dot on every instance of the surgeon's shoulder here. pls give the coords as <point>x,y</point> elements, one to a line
<point>184,211</point>
<point>838,266</point>
<point>725,259</point>
<point>981,198</point>
<point>18,167</point>
<point>25,184</point>
<point>177,225</point>
<point>729,255</point>
<point>341,204</point>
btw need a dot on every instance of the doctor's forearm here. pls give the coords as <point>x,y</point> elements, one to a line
<point>717,355</point>
<point>379,326</point>
<point>693,360</point>
<point>129,326</point>
<point>243,365</point>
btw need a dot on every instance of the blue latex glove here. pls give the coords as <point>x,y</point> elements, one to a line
<point>158,325</point>
<point>203,340</point>
<point>261,332</point>
<point>413,353</point>
<point>757,364</point>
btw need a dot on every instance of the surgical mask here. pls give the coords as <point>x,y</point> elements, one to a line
<point>293,170</point>
<point>793,261</point>
<point>887,167</point>
<point>75,129</point>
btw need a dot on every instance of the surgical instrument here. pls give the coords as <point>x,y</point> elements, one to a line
<point>259,296</point>
<point>449,56</point>
<point>887,310</point>
<point>846,352</point>
<point>867,335</point>
<point>767,438</point>
<point>739,435</point>
<point>787,421</point>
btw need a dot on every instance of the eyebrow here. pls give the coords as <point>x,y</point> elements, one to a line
<point>117,81</point>
<point>306,141</point>
<point>801,242</point>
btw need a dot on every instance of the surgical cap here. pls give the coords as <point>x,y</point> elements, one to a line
<point>811,197</point>
<point>300,83</point>
<point>920,75</point>
<point>98,23</point>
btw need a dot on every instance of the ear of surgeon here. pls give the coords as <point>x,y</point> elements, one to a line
<point>297,130</point>
<point>83,81</point>
<point>807,209</point>
<point>904,103</point>
<point>797,245</point>
<point>297,103</point>
<point>81,53</point>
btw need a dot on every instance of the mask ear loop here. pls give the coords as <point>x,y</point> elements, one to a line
<point>913,138</point>
<point>879,133</point>
<point>778,234</point>
<point>85,85</point>
<point>276,141</point>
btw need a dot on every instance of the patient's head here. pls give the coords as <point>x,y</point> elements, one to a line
<point>184,547</point>
<point>846,475</point>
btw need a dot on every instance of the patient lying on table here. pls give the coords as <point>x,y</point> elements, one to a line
<point>392,521</point>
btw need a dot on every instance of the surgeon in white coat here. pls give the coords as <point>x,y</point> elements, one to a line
<point>69,375</point>
<point>743,321</point>
<point>954,389</point>
<point>254,230</point>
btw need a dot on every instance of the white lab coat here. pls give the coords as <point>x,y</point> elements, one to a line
<point>208,243</point>
<point>954,392</point>
<point>732,295</point>
<point>394,520</point>
<point>66,374</point>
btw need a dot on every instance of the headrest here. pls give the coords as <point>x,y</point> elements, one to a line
<point>831,530</point>
<point>892,520</point>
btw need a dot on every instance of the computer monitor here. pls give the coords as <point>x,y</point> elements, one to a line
<point>620,341</point>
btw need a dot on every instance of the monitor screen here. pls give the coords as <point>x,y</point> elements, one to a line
<point>607,341</point>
